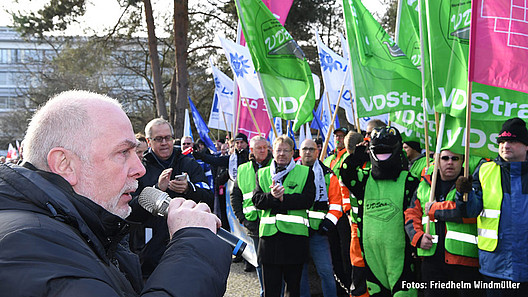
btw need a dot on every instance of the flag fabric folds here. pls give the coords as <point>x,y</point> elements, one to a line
<point>334,68</point>
<point>222,102</point>
<point>251,94</point>
<point>187,125</point>
<point>383,76</point>
<point>283,69</point>
<point>202,128</point>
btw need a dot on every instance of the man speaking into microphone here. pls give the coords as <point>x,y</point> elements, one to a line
<point>62,212</point>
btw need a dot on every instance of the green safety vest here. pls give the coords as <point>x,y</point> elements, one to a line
<point>294,221</point>
<point>246,183</point>
<point>315,217</point>
<point>488,220</point>
<point>460,239</point>
<point>338,164</point>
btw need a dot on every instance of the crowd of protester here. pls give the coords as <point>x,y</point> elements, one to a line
<point>377,217</point>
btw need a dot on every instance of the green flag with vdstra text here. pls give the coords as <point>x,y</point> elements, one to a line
<point>385,80</point>
<point>283,69</point>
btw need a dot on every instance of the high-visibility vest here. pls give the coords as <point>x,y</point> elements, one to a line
<point>460,239</point>
<point>294,221</point>
<point>488,220</point>
<point>246,183</point>
<point>335,164</point>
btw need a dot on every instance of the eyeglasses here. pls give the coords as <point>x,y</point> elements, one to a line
<point>453,158</point>
<point>283,151</point>
<point>161,139</point>
<point>187,143</point>
<point>308,149</point>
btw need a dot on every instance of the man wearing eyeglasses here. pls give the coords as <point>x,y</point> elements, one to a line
<point>449,250</point>
<point>283,193</point>
<point>172,172</point>
<point>498,198</point>
<point>323,216</point>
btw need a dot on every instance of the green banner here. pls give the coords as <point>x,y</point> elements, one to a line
<point>284,71</point>
<point>385,80</point>
<point>446,25</point>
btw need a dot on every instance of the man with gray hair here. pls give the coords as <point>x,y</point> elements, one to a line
<point>242,193</point>
<point>170,171</point>
<point>62,212</point>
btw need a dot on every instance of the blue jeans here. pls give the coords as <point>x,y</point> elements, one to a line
<point>320,252</point>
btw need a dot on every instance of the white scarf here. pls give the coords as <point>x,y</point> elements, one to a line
<point>277,177</point>
<point>319,180</point>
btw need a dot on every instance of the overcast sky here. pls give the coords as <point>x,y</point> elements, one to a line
<point>105,13</point>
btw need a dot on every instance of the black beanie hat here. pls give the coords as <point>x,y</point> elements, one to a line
<point>514,129</point>
<point>241,136</point>
<point>415,145</point>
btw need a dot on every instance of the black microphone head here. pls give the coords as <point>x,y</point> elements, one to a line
<point>154,201</point>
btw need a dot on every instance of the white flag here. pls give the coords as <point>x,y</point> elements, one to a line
<point>187,125</point>
<point>222,106</point>
<point>241,64</point>
<point>334,69</point>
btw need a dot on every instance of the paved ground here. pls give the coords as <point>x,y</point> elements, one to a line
<point>241,283</point>
<point>246,284</point>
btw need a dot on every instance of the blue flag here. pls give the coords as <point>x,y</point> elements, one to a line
<point>201,127</point>
<point>316,123</point>
<point>292,135</point>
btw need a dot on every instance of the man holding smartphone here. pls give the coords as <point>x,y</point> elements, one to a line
<point>172,172</point>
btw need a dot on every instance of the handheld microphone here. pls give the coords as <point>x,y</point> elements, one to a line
<point>157,202</point>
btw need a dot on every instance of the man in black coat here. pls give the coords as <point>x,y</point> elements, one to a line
<point>62,212</point>
<point>170,171</point>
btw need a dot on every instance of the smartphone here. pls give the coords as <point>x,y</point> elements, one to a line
<point>181,177</point>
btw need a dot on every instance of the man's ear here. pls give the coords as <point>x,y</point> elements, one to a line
<point>64,163</point>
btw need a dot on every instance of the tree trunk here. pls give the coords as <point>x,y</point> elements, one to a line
<point>161,109</point>
<point>180,80</point>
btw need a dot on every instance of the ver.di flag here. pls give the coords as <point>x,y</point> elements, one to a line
<point>284,71</point>
<point>383,76</point>
<point>445,64</point>
<point>334,69</point>
<point>251,95</point>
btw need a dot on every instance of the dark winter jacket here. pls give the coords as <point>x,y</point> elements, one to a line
<point>150,252</point>
<point>54,242</point>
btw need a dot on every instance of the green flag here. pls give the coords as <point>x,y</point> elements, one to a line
<point>447,41</point>
<point>385,79</point>
<point>283,69</point>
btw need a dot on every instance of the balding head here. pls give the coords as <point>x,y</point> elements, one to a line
<point>309,152</point>
<point>67,120</point>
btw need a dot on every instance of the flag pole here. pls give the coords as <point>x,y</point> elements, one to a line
<point>331,128</point>
<point>240,20</point>
<point>424,103</point>
<point>235,87</point>
<point>439,138</point>
<point>225,123</point>
<point>253,117</point>
<point>468,106</point>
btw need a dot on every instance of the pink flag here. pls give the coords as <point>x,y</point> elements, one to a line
<point>498,51</point>
<point>280,8</point>
<point>246,125</point>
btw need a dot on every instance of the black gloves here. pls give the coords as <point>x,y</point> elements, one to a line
<point>325,226</point>
<point>463,184</point>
